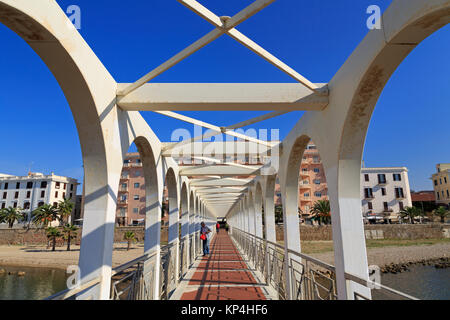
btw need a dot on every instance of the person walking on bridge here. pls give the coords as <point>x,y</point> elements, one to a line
<point>205,236</point>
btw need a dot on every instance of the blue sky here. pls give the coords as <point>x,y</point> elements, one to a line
<point>410,126</point>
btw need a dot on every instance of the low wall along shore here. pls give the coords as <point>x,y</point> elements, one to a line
<point>381,231</point>
<point>20,236</point>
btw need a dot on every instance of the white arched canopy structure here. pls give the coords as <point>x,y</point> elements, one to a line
<point>108,121</point>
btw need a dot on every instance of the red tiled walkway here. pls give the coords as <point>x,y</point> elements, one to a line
<point>223,275</point>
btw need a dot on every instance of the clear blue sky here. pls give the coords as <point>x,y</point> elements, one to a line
<point>411,122</point>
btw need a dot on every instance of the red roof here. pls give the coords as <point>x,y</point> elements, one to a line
<point>423,196</point>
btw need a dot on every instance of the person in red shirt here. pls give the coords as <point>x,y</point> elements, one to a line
<point>217,227</point>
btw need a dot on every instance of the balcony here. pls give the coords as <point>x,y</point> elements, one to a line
<point>122,202</point>
<point>123,190</point>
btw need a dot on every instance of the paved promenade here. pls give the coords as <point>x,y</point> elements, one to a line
<point>223,275</point>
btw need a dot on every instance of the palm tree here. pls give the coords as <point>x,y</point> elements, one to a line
<point>69,233</point>
<point>130,237</point>
<point>278,213</point>
<point>45,214</point>
<point>65,208</point>
<point>410,213</point>
<point>11,215</point>
<point>441,212</point>
<point>53,233</point>
<point>321,211</point>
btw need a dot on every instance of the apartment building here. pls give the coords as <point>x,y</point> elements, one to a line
<point>312,184</point>
<point>131,196</point>
<point>34,190</point>
<point>384,193</point>
<point>441,183</point>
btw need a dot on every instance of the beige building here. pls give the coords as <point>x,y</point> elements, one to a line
<point>384,193</point>
<point>441,183</point>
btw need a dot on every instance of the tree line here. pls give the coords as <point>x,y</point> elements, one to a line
<point>43,217</point>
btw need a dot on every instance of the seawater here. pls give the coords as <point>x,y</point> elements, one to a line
<point>422,282</point>
<point>37,284</point>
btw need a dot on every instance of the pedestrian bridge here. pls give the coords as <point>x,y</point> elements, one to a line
<point>233,179</point>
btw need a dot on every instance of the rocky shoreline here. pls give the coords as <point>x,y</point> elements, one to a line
<point>438,263</point>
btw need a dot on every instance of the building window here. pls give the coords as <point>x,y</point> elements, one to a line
<point>445,180</point>
<point>318,194</point>
<point>135,210</point>
<point>26,205</point>
<point>43,184</point>
<point>5,194</point>
<point>137,185</point>
<point>316,181</point>
<point>124,198</point>
<point>305,170</point>
<point>368,193</point>
<point>382,178</point>
<point>16,195</point>
<point>306,195</point>
<point>58,185</point>
<point>71,195</point>
<point>65,186</point>
<point>383,191</point>
<point>437,193</point>
<point>56,194</point>
<point>28,194</point>
<point>40,204</point>
<point>316,159</point>
<point>448,194</point>
<point>366,178</point>
<point>399,193</point>
<point>30,185</point>
<point>42,194</point>
<point>440,181</point>
<point>3,205</point>
<point>397,177</point>
<point>15,204</point>
<point>18,185</point>
<point>400,204</point>
<point>64,195</point>
<point>136,197</point>
<point>124,186</point>
<point>386,206</point>
<point>138,173</point>
<point>71,187</point>
<point>435,182</point>
<point>316,170</point>
<point>6,186</point>
<point>369,205</point>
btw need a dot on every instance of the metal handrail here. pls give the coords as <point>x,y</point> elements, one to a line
<point>311,287</point>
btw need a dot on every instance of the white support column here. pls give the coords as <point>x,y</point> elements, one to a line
<point>348,229</point>
<point>269,217</point>
<point>251,214</point>
<point>174,221</point>
<point>184,236</point>
<point>291,231</point>
<point>152,242</point>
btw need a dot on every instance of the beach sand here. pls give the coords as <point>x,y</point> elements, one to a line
<point>39,256</point>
